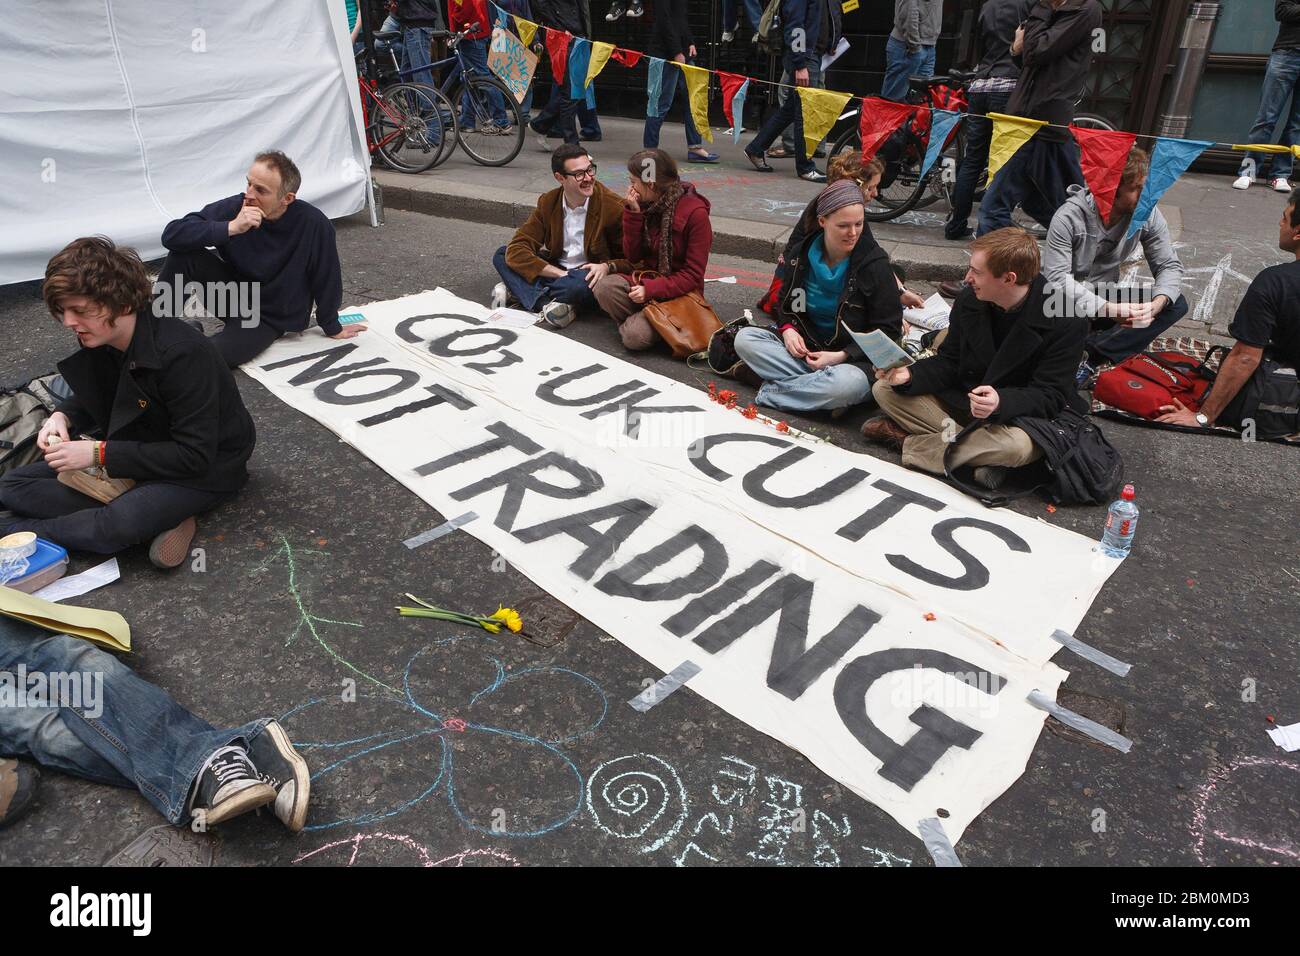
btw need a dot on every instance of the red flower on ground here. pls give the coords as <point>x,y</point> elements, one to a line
<point>750,412</point>
<point>783,426</point>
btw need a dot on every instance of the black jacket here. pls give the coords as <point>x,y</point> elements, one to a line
<point>670,34</point>
<point>1287,13</point>
<point>1033,371</point>
<point>869,301</point>
<point>421,13</point>
<point>173,412</point>
<point>997,28</point>
<point>571,15</point>
<point>1054,63</point>
<point>820,21</point>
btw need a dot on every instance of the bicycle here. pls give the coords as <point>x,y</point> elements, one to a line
<point>484,140</point>
<point>407,124</point>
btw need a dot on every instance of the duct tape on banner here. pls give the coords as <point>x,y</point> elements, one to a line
<point>424,537</point>
<point>937,842</point>
<point>1080,723</point>
<point>674,679</point>
<point>1090,653</point>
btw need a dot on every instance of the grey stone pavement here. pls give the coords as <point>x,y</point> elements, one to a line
<point>302,573</point>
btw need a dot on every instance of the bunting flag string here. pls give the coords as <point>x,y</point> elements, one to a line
<point>600,54</point>
<point>654,87</point>
<point>1102,154</point>
<point>734,90</point>
<point>1009,134</point>
<point>821,108</point>
<point>697,93</point>
<point>1169,160</point>
<point>557,48</point>
<point>579,58</point>
<point>527,30</point>
<point>941,124</point>
<point>879,119</point>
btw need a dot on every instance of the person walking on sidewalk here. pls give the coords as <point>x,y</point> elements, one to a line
<point>571,240</point>
<point>910,48</point>
<point>162,406</point>
<point>134,735</point>
<point>671,41</point>
<point>1281,84</point>
<point>666,230</point>
<point>559,115</point>
<point>809,28</point>
<point>988,93</point>
<point>419,20</point>
<point>1055,48</point>
<point>831,31</point>
<point>472,15</point>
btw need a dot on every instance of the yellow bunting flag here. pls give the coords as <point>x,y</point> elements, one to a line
<point>821,108</point>
<point>1266,148</point>
<point>527,30</point>
<point>600,53</point>
<point>1009,134</point>
<point>697,92</point>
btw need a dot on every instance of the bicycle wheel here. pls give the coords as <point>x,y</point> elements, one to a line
<point>1093,121</point>
<point>482,136</point>
<point>900,184</point>
<point>409,127</point>
<point>942,176</point>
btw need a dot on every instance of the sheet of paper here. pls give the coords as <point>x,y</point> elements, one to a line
<point>932,315</point>
<point>1288,738</point>
<point>883,351</point>
<point>512,318</point>
<point>79,584</point>
<point>829,58</point>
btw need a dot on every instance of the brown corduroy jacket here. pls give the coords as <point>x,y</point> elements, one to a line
<point>539,242</point>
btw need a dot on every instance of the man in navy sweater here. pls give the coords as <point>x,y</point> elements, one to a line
<point>260,260</point>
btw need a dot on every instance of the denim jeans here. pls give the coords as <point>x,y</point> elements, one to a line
<point>1035,179</point>
<point>673,78</point>
<point>475,53</point>
<point>731,16</point>
<point>899,65</point>
<point>788,382</point>
<point>1111,342</point>
<point>588,121</point>
<point>391,25</point>
<point>790,113</point>
<point>57,513</point>
<point>979,132</point>
<point>815,79</point>
<point>415,41</point>
<point>1281,83</point>
<point>571,289</point>
<point>133,735</point>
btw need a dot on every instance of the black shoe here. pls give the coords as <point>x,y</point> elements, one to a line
<point>18,783</point>
<point>956,233</point>
<point>759,163</point>
<point>590,138</point>
<point>635,9</point>
<point>228,785</point>
<point>990,476</point>
<point>279,765</point>
<point>616,11</point>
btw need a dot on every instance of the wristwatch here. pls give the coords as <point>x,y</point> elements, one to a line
<point>1202,420</point>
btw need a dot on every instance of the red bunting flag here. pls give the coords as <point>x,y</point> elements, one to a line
<point>731,82</point>
<point>557,46</point>
<point>1102,156</point>
<point>628,58</point>
<point>880,118</point>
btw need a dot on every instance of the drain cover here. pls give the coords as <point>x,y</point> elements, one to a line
<point>1108,713</point>
<point>166,846</point>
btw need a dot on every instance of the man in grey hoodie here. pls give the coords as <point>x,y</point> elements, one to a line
<point>910,50</point>
<point>1082,262</point>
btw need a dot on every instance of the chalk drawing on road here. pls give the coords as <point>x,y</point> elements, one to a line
<point>1211,797</point>
<point>373,841</point>
<point>1204,311</point>
<point>628,796</point>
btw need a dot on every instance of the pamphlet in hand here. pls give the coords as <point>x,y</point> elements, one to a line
<point>883,351</point>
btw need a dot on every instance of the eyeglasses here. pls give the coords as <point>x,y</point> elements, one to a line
<point>588,173</point>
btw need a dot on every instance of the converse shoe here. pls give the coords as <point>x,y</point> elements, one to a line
<point>558,315</point>
<point>1280,184</point>
<point>635,9</point>
<point>814,176</point>
<point>18,783</point>
<point>228,785</point>
<point>171,548</point>
<point>990,476</point>
<point>280,766</point>
<point>616,11</point>
<point>1242,182</point>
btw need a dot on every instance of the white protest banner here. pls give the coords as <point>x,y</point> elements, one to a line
<point>881,623</point>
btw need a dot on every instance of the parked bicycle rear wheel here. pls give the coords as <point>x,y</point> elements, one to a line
<point>482,136</point>
<point>902,187</point>
<point>413,127</point>
<point>1093,121</point>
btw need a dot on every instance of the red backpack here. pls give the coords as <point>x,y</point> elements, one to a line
<point>1143,384</point>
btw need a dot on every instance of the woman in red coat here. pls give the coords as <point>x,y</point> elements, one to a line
<point>678,254</point>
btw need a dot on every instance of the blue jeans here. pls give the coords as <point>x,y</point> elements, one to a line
<point>899,65</point>
<point>979,132</point>
<point>790,113</point>
<point>415,41</point>
<point>1281,83</point>
<point>788,382</point>
<point>133,735</point>
<point>475,53</point>
<point>731,16</point>
<point>571,289</point>
<point>399,50</point>
<point>1035,179</point>
<point>667,91</point>
<point>588,121</point>
<point>1111,342</point>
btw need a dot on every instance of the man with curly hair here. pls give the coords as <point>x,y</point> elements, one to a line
<point>152,402</point>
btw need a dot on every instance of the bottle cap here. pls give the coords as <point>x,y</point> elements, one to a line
<point>1127,494</point>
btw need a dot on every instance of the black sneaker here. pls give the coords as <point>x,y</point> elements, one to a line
<point>228,785</point>
<point>635,9</point>
<point>616,11</point>
<point>990,476</point>
<point>18,782</point>
<point>279,765</point>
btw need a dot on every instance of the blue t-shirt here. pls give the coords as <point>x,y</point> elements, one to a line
<point>822,289</point>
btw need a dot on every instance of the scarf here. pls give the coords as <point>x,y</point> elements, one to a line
<point>665,208</point>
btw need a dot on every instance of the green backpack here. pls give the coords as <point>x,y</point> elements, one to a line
<point>23,411</point>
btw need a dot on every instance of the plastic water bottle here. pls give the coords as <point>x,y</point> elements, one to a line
<point>1121,525</point>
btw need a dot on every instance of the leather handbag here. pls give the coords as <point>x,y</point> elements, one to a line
<point>686,323</point>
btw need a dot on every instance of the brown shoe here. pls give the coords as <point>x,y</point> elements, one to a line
<point>950,290</point>
<point>883,430</point>
<point>171,548</point>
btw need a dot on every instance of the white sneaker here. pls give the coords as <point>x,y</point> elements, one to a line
<point>542,143</point>
<point>500,295</point>
<point>1280,184</point>
<point>728,36</point>
<point>1242,182</point>
<point>557,314</point>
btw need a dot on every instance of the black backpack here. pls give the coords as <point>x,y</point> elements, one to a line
<point>23,410</point>
<point>1083,468</point>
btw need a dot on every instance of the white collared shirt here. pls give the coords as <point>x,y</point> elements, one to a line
<point>575,226</point>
